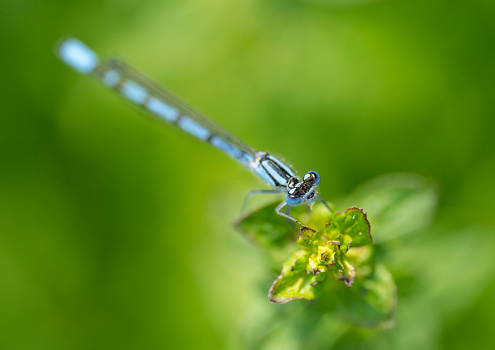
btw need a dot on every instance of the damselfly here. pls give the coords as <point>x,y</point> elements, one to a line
<point>156,101</point>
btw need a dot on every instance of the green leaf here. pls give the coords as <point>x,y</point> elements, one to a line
<point>353,224</point>
<point>342,248</point>
<point>295,282</point>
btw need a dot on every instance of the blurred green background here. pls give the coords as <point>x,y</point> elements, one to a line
<point>116,232</point>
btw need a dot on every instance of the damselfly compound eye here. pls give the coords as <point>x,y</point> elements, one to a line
<point>293,199</point>
<point>312,176</point>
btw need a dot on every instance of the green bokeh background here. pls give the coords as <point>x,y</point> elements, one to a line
<point>116,232</point>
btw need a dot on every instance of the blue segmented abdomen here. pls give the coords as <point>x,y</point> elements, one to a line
<point>141,91</point>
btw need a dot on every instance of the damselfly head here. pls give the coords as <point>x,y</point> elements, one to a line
<point>302,191</point>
